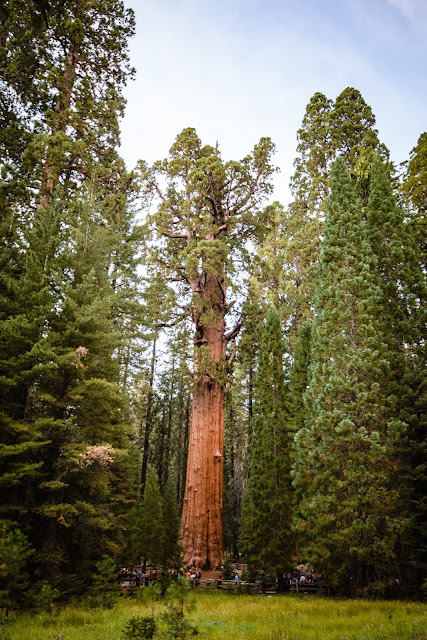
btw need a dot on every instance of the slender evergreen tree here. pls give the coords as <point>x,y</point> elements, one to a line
<point>345,126</point>
<point>401,279</point>
<point>402,283</point>
<point>171,520</point>
<point>349,510</point>
<point>150,531</point>
<point>414,188</point>
<point>267,511</point>
<point>299,376</point>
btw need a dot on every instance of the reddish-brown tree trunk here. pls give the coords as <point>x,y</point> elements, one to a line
<point>51,170</point>
<point>201,524</point>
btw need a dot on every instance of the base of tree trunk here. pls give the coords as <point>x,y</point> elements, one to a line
<point>201,522</point>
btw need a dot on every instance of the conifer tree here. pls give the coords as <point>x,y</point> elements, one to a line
<point>66,463</point>
<point>252,317</point>
<point>171,521</point>
<point>267,511</point>
<point>355,139</point>
<point>299,378</point>
<point>158,299</point>
<point>65,65</point>
<point>310,182</point>
<point>344,126</point>
<point>402,283</point>
<point>150,532</point>
<point>69,242</point>
<point>206,213</point>
<point>398,262</point>
<point>349,510</point>
<point>237,435</point>
<point>414,188</point>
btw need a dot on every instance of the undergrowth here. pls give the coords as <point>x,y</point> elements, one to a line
<point>234,617</point>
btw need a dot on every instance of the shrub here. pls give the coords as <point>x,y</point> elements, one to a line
<point>140,628</point>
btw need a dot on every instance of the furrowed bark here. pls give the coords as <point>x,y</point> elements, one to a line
<point>201,523</point>
<point>51,171</point>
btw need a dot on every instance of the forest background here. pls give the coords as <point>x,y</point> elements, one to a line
<point>324,451</point>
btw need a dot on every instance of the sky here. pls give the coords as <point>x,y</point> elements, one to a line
<point>244,69</point>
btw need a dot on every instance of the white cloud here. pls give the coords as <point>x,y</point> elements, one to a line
<point>415,11</point>
<point>241,69</point>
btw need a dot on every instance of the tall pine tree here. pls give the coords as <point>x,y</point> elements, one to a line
<point>267,510</point>
<point>349,510</point>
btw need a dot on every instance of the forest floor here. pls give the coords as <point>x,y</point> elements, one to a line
<point>231,616</point>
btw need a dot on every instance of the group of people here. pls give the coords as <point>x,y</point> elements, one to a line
<point>298,577</point>
<point>136,576</point>
<point>193,575</point>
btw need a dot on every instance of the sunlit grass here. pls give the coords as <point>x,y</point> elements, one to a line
<point>230,616</point>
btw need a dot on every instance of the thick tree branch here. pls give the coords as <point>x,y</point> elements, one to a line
<point>182,236</point>
<point>159,193</point>
<point>234,331</point>
<point>232,357</point>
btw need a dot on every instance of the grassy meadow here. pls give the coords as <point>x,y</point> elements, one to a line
<point>229,616</point>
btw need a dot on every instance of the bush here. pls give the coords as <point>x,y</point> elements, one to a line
<point>14,553</point>
<point>140,628</point>
<point>104,587</point>
<point>177,627</point>
<point>44,598</point>
<point>4,624</point>
<point>180,600</point>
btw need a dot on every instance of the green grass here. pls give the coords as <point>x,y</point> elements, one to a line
<point>227,616</point>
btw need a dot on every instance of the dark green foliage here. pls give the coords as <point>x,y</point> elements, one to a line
<point>402,283</point>
<point>140,628</point>
<point>180,601</point>
<point>299,378</point>
<point>349,512</point>
<point>150,533</point>
<point>14,554</point>
<point>227,569</point>
<point>62,400</point>
<point>414,188</point>
<point>267,513</point>
<point>177,626</point>
<point>239,414</point>
<point>412,476</point>
<point>171,522</point>
<point>399,270</point>
<point>104,583</point>
<point>68,251</point>
<point>44,597</point>
<point>344,127</point>
<point>237,433</point>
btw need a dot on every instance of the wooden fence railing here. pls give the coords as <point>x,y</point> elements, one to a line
<point>313,588</point>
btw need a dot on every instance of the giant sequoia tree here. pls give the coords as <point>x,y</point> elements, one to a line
<point>207,213</point>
